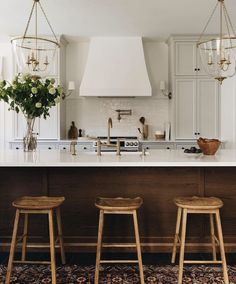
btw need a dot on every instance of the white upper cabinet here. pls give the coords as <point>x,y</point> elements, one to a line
<point>195,104</point>
<point>187,59</point>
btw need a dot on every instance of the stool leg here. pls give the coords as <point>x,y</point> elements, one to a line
<point>176,234</point>
<point>213,237</point>
<point>24,241</point>
<point>99,246</point>
<point>60,235</point>
<point>182,246</point>
<point>222,250</point>
<point>52,246</point>
<point>136,230</point>
<point>13,245</point>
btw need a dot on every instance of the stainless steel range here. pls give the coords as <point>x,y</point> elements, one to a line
<point>127,143</point>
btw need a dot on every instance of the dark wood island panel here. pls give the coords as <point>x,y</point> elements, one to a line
<point>157,186</point>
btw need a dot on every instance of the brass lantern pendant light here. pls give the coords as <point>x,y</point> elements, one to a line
<point>35,54</point>
<point>218,54</point>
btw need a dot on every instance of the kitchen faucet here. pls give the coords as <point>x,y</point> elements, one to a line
<point>108,144</point>
<point>109,131</point>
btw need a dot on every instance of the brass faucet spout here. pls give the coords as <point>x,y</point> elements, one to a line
<point>109,122</point>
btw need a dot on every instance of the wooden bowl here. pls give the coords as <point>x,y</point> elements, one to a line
<point>208,146</point>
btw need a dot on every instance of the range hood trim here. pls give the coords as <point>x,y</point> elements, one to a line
<point>116,92</point>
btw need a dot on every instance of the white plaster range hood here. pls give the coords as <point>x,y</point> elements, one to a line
<point>115,68</point>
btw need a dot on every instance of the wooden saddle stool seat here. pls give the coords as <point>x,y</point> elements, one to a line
<point>36,205</point>
<point>118,205</point>
<point>199,205</point>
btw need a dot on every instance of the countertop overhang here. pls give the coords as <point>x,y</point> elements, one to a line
<point>154,158</point>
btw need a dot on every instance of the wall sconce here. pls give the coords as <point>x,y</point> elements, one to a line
<point>123,112</point>
<point>163,88</point>
<point>71,88</point>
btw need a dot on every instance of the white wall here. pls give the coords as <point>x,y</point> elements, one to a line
<point>6,117</point>
<point>91,114</point>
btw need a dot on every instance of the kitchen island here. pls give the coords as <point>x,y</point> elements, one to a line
<point>158,178</point>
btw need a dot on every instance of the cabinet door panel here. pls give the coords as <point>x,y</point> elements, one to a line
<point>207,105</point>
<point>185,58</point>
<point>201,69</point>
<point>185,108</point>
<point>48,128</point>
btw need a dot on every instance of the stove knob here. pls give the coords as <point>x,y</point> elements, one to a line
<point>131,144</point>
<point>127,143</point>
<point>135,143</point>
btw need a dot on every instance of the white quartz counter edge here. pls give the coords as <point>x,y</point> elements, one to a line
<point>155,158</point>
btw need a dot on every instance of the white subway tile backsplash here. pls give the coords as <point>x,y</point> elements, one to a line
<point>91,114</point>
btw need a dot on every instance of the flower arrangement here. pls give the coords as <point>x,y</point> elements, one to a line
<point>33,97</point>
<point>30,95</point>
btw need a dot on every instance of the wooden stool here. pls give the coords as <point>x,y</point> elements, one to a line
<point>36,205</point>
<point>199,205</point>
<point>118,206</point>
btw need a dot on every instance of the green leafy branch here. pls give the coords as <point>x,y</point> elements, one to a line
<point>32,96</point>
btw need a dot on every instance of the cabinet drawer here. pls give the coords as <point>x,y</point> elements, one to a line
<point>64,147</point>
<point>16,146</point>
<point>186,146</point>
<point>158,146</point>
<point>85,148</point>
<point>46,146</point>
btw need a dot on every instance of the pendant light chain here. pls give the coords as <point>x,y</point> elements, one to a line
<point>36,34</point>
<point>48,22</point>
<point>28,22</point>
<point>227,24</point>
<point>211,16</point>
<point>229,20</point>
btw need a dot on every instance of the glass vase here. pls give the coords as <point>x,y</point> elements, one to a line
<point>30,138</point>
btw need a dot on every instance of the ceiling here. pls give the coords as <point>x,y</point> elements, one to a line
<point>83,18</point>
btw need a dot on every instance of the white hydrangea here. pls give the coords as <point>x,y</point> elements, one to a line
<point>38,105</point>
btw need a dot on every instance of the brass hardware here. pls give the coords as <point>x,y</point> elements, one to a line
<point>72,147</point>
<point>37,56</point>
<point>123,112</point>
<point>99,147</point>
<point>118,147</point>
<point>109,122</point>
<point>108,143</point>
<point>71,88</point>
<point>217,54</point>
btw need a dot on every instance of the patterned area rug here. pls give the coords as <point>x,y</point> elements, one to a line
<point>154,274</point>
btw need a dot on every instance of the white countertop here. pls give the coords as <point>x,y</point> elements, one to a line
<point>154,158</point>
